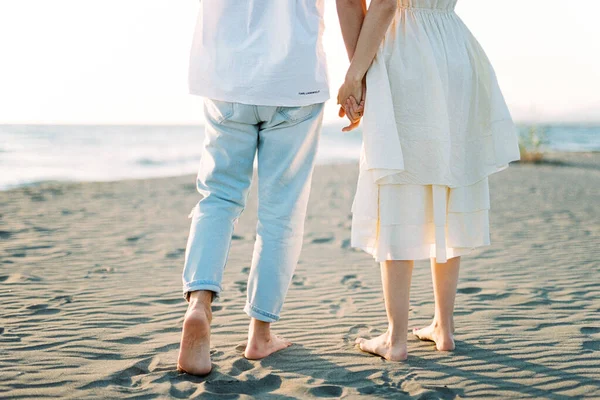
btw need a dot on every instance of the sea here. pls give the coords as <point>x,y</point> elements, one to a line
<point>32,154</point>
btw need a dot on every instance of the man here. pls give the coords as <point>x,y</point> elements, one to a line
<point>261,67</point>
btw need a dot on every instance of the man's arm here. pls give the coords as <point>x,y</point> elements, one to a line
<point>351,14</point>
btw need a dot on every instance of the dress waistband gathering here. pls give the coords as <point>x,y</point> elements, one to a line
<point>409,5</point>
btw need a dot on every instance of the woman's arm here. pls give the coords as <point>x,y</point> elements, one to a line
<point>351,14</point>
<point>375,25</point>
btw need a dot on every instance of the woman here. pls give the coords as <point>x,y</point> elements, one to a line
<point>435,127</point>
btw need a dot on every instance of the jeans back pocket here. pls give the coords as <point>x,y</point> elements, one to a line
<point>218,111</point>
<point>299,114</point>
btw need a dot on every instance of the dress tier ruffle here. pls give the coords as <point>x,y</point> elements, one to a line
<point>435,127</point>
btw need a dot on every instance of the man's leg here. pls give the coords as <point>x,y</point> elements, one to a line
<point>286,154</point>
<point>224,178</point>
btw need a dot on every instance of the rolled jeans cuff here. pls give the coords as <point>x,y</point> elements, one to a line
<point>194,286</point>
<point>261,315</point>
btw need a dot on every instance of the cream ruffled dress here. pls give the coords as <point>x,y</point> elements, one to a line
<point>435,127</point>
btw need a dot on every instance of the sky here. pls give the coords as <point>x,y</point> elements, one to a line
<point>125,61</point>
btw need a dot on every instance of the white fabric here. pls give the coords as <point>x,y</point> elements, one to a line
<point>260,52</point>
<point>451,130</point>
<point>416,222</point>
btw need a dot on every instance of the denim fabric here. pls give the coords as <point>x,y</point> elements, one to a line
<point>284,140</point>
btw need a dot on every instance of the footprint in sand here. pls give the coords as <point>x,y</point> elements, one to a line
<point>340,307</point>
<point>469,290</point>
<point>240,366</point>
<point>126,376</point>
<point>493,296</point>
<point>133,239</point>
<point>103,270</point>
<point>354,331</point>
<point>322,240</point>
<point>335,308</point>
<point>180,252</point>
<point>326,391</point>
<point>42,309</point>
<point>17,278</point>
<point>445,392</point>
<point>215,354</point>
<point>129,340</point>
<point>589,330</point>
<point>593,345</point>
<point>42,229</point>
<point>63,299</point>
<point>185,392</point>
<point>351,281</point>
<point>253,387</point>
<point>298,280</point>
<point>241,286</point>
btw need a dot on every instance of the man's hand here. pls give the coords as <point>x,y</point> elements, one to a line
<point>349,105</point>
<point>354,112</point>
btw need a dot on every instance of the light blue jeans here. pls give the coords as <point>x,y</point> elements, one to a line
<point>285,139</point>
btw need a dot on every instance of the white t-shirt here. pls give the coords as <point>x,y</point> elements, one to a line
<point>260,52</point>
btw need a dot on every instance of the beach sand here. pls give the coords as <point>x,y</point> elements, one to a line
<point>91,304</point>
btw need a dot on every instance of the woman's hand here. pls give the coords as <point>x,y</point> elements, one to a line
<point>348,98</point>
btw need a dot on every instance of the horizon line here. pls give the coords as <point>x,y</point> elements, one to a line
<point>201,124</point>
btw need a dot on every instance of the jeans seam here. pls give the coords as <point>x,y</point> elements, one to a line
<point>202,282</point>
<point>262,312</point>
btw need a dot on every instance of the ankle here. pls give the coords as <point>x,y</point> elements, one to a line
<point>201,301</point>
<point>396,337</point>
<point>259,330</point>
<point>445,327</point>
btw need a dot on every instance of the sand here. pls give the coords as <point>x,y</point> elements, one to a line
<point>91,305</point>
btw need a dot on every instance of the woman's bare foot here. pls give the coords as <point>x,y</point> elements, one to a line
<point>383,346</point>
<point>261,342</point>
<point>194,351</point>
<point>443,338</point>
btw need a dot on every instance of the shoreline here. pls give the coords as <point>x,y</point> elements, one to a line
<point>574,159</point>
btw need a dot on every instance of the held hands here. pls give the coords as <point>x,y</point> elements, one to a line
<point>348,99</point>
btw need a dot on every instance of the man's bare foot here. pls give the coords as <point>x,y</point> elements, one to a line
<point>384,347</point>
<point>194,351</point>
<point>261,342</point>
<point>258,349</point>
<point>443,339</point>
